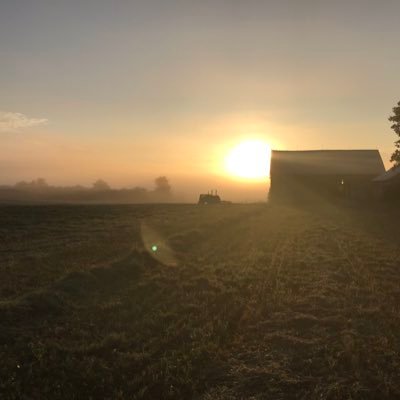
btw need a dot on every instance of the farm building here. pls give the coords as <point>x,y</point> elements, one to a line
<point>302,175</point>
<point>387,185</point>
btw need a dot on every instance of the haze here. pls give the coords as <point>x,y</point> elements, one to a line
<point>130,90</point>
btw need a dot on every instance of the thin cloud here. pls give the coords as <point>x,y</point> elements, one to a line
<point>12,121</point>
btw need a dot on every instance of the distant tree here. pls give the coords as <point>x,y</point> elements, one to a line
<point>396,127</point>
<point>38,183</point>
<point>101,185</point>
<point>21,185</point>
<point>162,185</point>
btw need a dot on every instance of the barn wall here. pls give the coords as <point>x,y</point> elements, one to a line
<point>313,187</point>
<point>388,190</point>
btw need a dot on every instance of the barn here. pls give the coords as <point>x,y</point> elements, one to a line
<point>312,174</point>
<point>387,185</point>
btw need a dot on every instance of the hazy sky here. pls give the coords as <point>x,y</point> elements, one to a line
<point>129,90</point>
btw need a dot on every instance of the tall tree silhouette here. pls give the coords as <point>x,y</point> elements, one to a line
<point>162,185</point>
<point>396,127</point>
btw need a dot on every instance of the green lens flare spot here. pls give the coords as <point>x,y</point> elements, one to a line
<point>154,248</point>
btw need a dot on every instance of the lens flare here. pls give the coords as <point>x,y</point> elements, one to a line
<point>157,246</point>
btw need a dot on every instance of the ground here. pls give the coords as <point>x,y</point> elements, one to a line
<point>238,302</point>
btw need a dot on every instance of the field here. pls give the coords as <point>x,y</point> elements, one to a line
<point>235,302</point>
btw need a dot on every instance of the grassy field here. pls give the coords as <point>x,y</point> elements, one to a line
<point>237,302</point>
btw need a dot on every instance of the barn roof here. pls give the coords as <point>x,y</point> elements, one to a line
<point>388,175</point>
<point>327,162</point>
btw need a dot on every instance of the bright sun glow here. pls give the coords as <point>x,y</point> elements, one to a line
<point>249,160</point>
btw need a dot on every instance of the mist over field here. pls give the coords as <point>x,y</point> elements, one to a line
<point>181,191</point>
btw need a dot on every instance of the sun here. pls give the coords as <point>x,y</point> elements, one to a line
<point>249,160</point>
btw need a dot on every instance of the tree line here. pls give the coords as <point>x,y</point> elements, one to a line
<point>38,190</point>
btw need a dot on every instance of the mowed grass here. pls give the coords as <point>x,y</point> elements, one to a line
<point>263,302</point>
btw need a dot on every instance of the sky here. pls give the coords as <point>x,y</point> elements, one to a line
<point>130,90</point>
